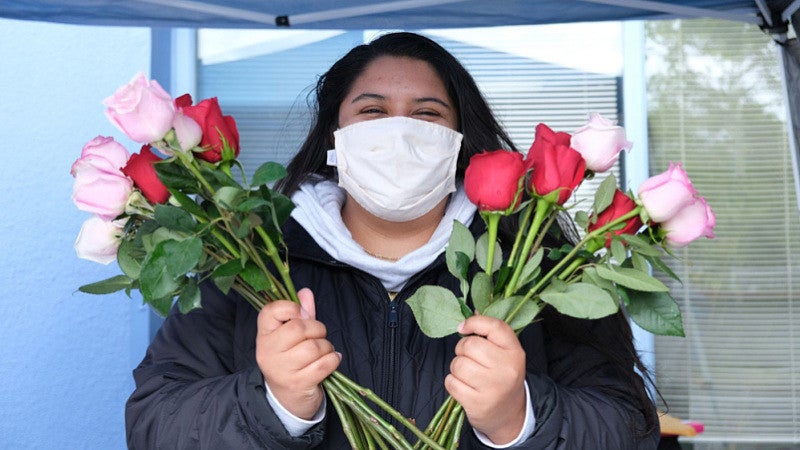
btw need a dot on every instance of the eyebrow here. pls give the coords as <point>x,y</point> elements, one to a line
<point>368,95</point>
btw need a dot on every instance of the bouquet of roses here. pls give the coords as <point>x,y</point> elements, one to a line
<point>174,222</point>
<point>624,237</point>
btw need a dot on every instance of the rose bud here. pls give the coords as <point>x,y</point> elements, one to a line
<point>599,142</point>
<point>215,128</point>
<point>140,169</point>
<point>620,205</point>
<point>99,239</point>
<point>492,179</point>
<point>665,194</point>
<point>141,109</point>
<point>555,166</point>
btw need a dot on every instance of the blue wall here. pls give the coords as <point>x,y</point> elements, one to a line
<point>66,357</point>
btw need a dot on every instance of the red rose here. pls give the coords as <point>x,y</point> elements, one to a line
<point>492,178</point>
<point>140,169</point>
<point>215,126</point>
<point>621,205</point>
<point>555,165</point>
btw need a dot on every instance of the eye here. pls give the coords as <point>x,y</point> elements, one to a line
<point>372,110</point>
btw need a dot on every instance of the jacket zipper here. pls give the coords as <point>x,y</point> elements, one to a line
<point>392,322</point>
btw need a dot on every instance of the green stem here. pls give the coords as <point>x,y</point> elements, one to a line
<point>543,208</point>
<point>385,429</point>
<point>523,223</point>
<point>283,268</point>
<point>364,392</point>
<point>492,222</point>
<point>584,242</point>
<point>346,419</point>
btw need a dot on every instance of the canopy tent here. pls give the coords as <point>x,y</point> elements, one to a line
<point>774,16</point>
<point>360,14</point>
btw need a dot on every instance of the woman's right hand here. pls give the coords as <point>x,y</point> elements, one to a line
<point>293,353</point>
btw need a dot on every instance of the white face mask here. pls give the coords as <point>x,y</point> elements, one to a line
<point>397,168</point>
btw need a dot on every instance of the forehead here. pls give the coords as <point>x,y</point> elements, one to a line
<point>399,74</point>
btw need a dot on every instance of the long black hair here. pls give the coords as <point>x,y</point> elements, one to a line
<point>475,118</point>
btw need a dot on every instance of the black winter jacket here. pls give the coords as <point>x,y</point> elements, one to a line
<point>199,386</point>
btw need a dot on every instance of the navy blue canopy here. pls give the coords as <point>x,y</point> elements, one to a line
<point>371,14</point>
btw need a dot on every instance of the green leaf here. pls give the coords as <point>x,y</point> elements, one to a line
<point>461,242</point>
<point>605,194</point>
<point>252,203</point>
<point>175,218</point>
<point>582,219</point>
<point>656,312</point>
<point>253,276</point>
<point>182,256</point>
<point>176,177</point>
<point>582,300</point>
<point>161,305</point>
<point>631,278</point>
<point>589,275</point>
<point>228,269</point>
<point>188,203</point>
<point>618,250</point>
<point>130,257</point>
<point>107,286</point>
<point>500,309</point>
<point>482,255</point>
<point>529,271</point>
<point>156,279</point>
<point>481,291</point>
<point>639,262</point>
<point>189,297</point>
<point>437,310</point>
<point>658,264</point>
<point>224,283</point>
<point>269,172</point>
<point>226,196</point>
<point>640,244</point>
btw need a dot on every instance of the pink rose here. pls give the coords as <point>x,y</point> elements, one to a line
<point>492,178</point>
<point>107,148</point>
<point>100,186</point>
<point>99,239</point>
<point>141,109</point>
<point>599,142</point>
<point>666,194</point>
<point>690,223</point>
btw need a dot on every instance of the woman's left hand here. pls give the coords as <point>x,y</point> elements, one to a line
<point>487,378</point>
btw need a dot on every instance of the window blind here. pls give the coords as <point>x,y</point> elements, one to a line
<point>715,103</point>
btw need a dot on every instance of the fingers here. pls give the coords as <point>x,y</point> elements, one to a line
<point>308,308</point>
<point>494,330</point>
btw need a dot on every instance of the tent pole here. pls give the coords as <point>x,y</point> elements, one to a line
<point>790,64</point>
<point>679,10</point>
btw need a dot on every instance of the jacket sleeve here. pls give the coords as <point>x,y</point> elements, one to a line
<point>580,400</point>
<point>189,396</point>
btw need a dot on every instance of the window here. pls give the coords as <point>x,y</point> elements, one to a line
<point>263,78</point>
<point>715,103</point>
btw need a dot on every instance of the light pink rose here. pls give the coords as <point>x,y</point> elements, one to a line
<point>107,148</point>
<point>692,222</point>
<point>100,186</point>
<point>187,131</point>
<point>599,142</point>
<point>141,109</point>
<point>667,193</point>
<point>99,239</point>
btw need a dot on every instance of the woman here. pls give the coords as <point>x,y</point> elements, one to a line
<point>370,227</point>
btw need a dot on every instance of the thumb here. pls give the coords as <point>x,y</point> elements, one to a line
<point>308,309</point>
